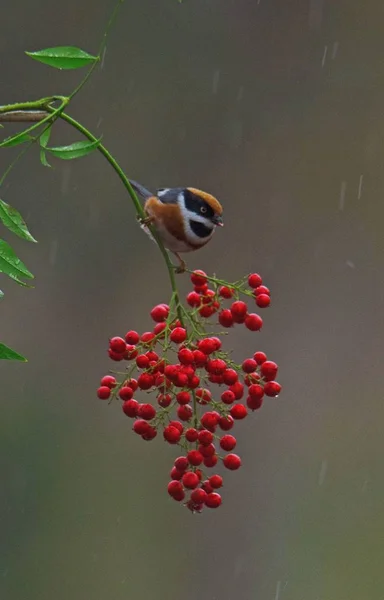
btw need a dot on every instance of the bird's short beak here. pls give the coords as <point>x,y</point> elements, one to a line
<point>218,221</point>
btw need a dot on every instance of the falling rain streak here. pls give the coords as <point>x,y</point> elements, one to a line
<point>360,187</point>
<point>322,472</point>
<point>324,56</point>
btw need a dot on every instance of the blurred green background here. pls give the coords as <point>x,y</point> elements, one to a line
<point>277,108</point>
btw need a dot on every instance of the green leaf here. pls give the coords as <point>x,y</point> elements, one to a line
<point>44,138</point>
<point>75,150</point>
<point>9,354</point>
<point>43,159</point>
<point>14,221</point>
<point>11,265</point>
<point>14,140</point>
<point>63,57</point>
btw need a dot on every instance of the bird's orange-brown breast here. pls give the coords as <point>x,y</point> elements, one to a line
<point>168,214</point>
<point>211,200</point>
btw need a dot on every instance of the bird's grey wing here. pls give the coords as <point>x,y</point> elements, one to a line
<point>140,189</point>
<point>169,195</point>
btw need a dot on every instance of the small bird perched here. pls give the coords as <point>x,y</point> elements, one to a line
<point>185,218</point>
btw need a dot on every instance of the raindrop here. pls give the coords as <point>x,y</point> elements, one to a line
<point>324,56</point>
<point>215,81</point>
<point>334,50</point>
<point>278,587</point>
<point>343,189</point>
<point>322,472</point>
<point>103,57</point>
<point>360,187</point>
<point>350,264</point>
<point>99,122</point>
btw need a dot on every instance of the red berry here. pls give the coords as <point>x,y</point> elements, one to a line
<point>226,292</point>
<point>198,496</point>
<point>260,357</point>
<point>210,461</point>
<point>190,480</point>
<point>254,280</point>
<point>195,458</point>
<point>171,371</point>
<point>253,322</point>
<point>210,420</point>
<point>230,376</point>
<point>272,388</point>
<point>185,412</point>
<point>132,337</point>
<point>145,381</point>
<point>249,365</point>
<point>207,345</point>
<point>206,486</point>
<point>218,379</point>
<point>216,366</point>
<point>185,356</point>
<point>207,311</point>
<point>159,328</point>
<point>261,289</point>
<point>239,310</point>
<point>191,435</point>
<point>193,299</point>
<point>146,412</point>
<point>164,400</point>
<point>130,352</point>
<point>203,396</point>
<point>178,335</point>
<point>115,356</point>
<point>117,344</point>
<point>171,434</point>
<point>198,277</point>
<point>228,397</point>
<point>256,391</point>
<point>108,381</point>
<point>199,358</point>
<point>194,382</point>
<point>212,500</point>
<point>152,356</point>
<point>252,378</point>
<point>150,434</point>
<point>183,397</point>
<point>268,370</point>
<point>209,450</point>
<point>232,462</point>
<point>205,437</point>
<point>181,463</point>
<point>226,423</point>
<point>263,300</point>
<point>208,297</point>
<point>176,474</point>
<point>132,383</point>
<point>201,289</point>
<point>126,393</point>
<point>181,380</point>
<point>254,403</point>
<point>228,442</point>
<point>216,481</point>
<point>238,411</point>
<point>130,408</point>
<point>160,313</point>
<point>148,338</point>
<point>175,489</point>
<point>141,427</point>
<point>104,392</point>
<point>238,389</point>
<point>142,361</point>
<point>226,318</point>
<point>178,425</point>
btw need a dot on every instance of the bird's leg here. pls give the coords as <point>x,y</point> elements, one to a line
<point>182,266</point>
<point>146,221</point>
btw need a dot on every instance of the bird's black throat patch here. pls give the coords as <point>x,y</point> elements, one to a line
<point>199,229</point>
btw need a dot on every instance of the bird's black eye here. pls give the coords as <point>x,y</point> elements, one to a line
<point>203,210</point>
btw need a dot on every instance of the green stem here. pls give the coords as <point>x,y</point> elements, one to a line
<point>140,211</point>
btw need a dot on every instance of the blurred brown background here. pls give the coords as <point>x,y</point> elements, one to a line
<point>275,107</point>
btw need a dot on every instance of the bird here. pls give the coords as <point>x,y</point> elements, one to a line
<point>185,218</point>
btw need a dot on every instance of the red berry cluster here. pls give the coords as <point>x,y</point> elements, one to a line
<point>180,364</point>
